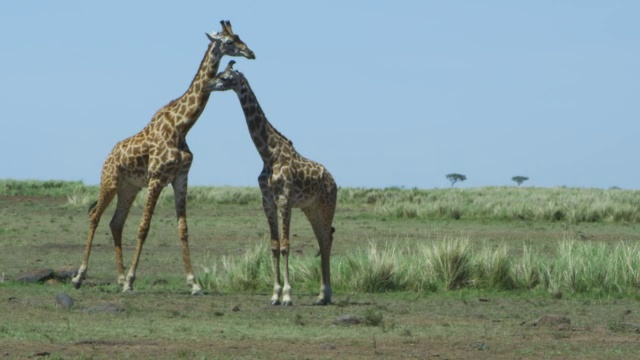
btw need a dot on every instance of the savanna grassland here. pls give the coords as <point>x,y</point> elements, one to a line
<point>500,272</point>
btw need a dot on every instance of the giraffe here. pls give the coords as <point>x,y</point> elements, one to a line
<point>288,180</point>
<point>157,156</point>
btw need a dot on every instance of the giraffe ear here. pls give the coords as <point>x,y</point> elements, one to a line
<point>210,36</point>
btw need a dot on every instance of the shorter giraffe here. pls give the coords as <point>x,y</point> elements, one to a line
<point>288,180</point>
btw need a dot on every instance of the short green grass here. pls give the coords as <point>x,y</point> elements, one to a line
<point>424,283</point>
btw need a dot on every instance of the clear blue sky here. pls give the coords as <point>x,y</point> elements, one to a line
<point>382,93</point>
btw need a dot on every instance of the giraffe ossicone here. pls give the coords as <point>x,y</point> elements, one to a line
<point>155,157</point>
<point>288,180</point>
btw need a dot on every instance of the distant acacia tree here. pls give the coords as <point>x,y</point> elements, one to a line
<point>454,178</point>
<point>519,179</point>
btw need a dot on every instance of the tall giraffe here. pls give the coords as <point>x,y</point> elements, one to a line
<point>288,180</point>
<point>155,157</point>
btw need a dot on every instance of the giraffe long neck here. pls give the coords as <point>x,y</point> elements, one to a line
<point>186,109</point>
<point>268,141</point>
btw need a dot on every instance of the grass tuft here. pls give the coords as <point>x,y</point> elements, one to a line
<point>447,264</point>
<point>451,263</point>
<point>249,271</point>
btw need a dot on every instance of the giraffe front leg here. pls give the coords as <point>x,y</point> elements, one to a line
<point>180,191</point>
<point>285,214</point>
<point>277,288</point>
<point>272,217</point>
<point>183,233</point>
<point>271,212</point>
<point>155,188</point>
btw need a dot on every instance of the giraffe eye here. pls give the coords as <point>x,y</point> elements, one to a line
<point>229,42</point>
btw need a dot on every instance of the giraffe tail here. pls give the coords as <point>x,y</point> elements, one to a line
<point>92,206</point>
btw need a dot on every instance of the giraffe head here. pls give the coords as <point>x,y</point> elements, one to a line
<point>229,79</point>
<point>230,43</point>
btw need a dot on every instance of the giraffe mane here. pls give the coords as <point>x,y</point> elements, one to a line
<point>246,81</point>
<point>284,137</point>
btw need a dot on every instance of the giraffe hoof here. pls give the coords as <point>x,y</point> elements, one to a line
<point>197,292</point>
<point>275,302</point>
<point>322,302</point>
<point>287,303</point>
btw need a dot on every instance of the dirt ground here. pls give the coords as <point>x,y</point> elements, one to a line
<point>531,344</point>
<point>425,327</point>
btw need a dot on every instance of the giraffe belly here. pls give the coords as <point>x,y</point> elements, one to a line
<point>138,178</point>
<point>301,199</point>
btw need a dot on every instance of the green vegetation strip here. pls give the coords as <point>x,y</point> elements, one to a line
<point>572,205</point>
<point>449,264</point>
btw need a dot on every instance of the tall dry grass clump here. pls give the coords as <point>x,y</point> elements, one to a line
<point>494,269</point>
<point>446,265</point>
<point>586,267</point>
<point>451,263</point>
<point>371,270</point>
<point>248,271</point>
<point>526,271</point>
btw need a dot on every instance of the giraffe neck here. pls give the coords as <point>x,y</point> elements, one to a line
<point>185,110</point>
<point>268,141</point>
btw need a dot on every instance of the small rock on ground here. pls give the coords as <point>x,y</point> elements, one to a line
<point>35,276</point>
<point>65,272</point>
<point>348,320</point>
<point>552,320</point>
<point>64,300</point>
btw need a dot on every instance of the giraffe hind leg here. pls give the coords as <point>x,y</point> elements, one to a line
<point>126,196</point>
<point>321,218</point>
<point>333,230</point>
